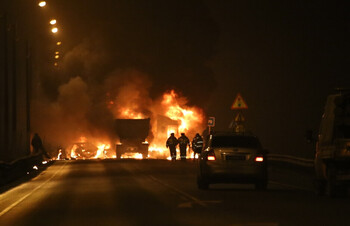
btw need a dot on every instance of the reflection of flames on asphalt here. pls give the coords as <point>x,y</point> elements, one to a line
<point>171,115</point>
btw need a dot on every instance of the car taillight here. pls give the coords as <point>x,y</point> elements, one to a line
<point>211,156</point>
<point>259,159</point>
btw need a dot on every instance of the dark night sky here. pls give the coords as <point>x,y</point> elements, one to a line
<point>284,57</point>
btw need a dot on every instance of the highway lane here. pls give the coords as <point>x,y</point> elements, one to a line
<point>159,192</point>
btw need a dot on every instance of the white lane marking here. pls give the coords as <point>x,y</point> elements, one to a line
<point>194,199</point>
<point>30,193</point>
<point>290,186</point>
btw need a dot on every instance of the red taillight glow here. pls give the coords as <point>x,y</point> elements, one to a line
<point>211,155</point>
<point>259,159</point>
<point>211,158</point>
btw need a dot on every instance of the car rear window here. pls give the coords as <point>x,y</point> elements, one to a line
<point>235,141</point>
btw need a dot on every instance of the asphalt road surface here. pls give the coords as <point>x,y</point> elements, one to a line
<point>160,192</point>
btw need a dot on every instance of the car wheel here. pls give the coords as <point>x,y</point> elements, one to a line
<point>202,183</point>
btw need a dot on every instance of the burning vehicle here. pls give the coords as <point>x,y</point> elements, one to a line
<point>83,150</point>
<point>132,134</point>
<point>137,134</point>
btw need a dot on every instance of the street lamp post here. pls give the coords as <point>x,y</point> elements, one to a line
<point>28,93</point>
<point>5,89</point>
<point>53,22</point>
<point>42,4</point>
<point>54,30</point>
<point>14,86</point>
<point>15,135</point>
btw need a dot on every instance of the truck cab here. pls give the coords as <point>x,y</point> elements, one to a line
<point>132,134</point>
<point>332,158</point>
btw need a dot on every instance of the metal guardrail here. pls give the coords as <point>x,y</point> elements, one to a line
<point>18,168</point>
<point>291,159</point>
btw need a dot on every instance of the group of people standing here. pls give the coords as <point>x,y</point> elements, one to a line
<point>183,142</point>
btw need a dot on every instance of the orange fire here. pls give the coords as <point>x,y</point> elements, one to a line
<point>130,114</point>
<point>102,151</point>
<point>86,148</point>
<point>170,115</point>
<point>82,139</point>
<point>191,118</point>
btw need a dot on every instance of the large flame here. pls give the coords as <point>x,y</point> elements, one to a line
<point>86,148</point>
<point>102,151</point>
<point>177,116</point>
<point>190,117</point>
<point>190,120</point>
<point>130,114</point>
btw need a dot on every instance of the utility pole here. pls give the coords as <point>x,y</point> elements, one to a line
<point>14,79</point>
<point>28,93</point>
<point>5,89</point>
<point>2,78</point>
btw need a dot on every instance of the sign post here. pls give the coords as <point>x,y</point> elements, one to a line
<point>211,123</point>
<point>239,104</point>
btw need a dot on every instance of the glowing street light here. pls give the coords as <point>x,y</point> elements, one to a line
<point>54,30</point>
<point>53,22</point>
<point>57,56</point>
<point>58,43</point>
<point>57,52</point>
<point>42,4</point>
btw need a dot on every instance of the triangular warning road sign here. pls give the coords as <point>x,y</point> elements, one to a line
<point>239,117</point>
<point>239,103</point>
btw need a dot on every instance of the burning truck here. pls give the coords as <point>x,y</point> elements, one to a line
<point>132,134</point>
<point>133,130</point>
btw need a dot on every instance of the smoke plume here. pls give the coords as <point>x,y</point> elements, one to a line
<point>118,60</point>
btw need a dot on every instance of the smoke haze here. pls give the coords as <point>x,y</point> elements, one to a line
<point>122,56</point>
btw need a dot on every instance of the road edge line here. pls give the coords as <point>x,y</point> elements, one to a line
<point>30,193</point>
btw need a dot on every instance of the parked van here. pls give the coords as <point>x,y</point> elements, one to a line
<point>332,159</point>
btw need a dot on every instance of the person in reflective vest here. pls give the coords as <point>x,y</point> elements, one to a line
<point>183,143</point>
<point>197,145</point>
<point>171,143</point>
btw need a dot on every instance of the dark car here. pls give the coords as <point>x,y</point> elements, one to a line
<point>232,158</point>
